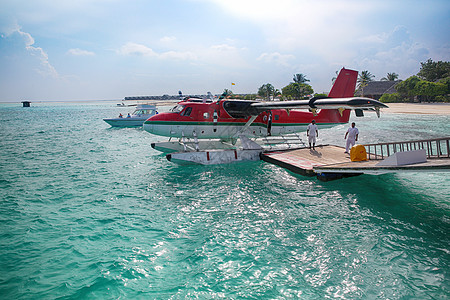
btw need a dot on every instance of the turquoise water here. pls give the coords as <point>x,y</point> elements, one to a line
<point>93,212</point>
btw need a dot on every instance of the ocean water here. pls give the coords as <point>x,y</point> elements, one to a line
<point>93,212</point>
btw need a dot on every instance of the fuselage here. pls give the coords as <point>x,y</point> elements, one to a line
<point>229,119</point>
<point>212,121</point>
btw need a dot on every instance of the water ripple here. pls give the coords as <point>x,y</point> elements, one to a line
<point>91,212</point>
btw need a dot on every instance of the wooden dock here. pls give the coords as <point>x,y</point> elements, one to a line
<point>304,161</point>
<point>329,162</point>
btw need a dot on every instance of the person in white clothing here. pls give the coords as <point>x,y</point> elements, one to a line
<point>352,134</point>
<point>312,132</point>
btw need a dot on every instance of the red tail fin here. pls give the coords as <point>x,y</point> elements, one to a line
<point>343,87</point>
<point>345,84</point>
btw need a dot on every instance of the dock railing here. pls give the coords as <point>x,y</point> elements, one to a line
<point>434,148</point>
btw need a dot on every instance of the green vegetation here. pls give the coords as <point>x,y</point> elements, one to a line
<point>300,78</point>
<point>431,84</point>
<point>267,91</point>
<point>363,78</point>
<point>296,90</point>
<point>390,77</point>
<point>390,98</point>
<point>434,71</point>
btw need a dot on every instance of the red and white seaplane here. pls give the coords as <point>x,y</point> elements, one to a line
<point>224,131</point>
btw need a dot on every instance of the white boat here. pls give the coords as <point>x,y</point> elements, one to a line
<point>137,118</point>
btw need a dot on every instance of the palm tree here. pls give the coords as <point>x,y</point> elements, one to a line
<point>364,78</point>
<point>266,90</point>
<point>227,92</point>
<point>334,78</point>
<point>300,78</point>
<point>390,77</point>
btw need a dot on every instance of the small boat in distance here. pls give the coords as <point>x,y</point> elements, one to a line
<point>137,118</point>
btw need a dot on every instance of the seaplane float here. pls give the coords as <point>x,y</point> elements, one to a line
<point>225,130</point>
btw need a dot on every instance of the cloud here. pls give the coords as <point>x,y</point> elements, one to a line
<point>136,49</point>
<point>393,51</point>
<point>25,40</point>
<point>224,56</point>
<point>399,35</point>
<point>131,48</point>
<point>79,52</point>
<point>168,39</point>
<point>277,58</point>
<point>178,55</point>
<point>223,48</point>
<point>294,24</point>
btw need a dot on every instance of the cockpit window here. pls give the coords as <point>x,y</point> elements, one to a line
<point>187,112</point>
<point>177,108</point>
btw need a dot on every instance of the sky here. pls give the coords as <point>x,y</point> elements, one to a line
<point>64,50</point>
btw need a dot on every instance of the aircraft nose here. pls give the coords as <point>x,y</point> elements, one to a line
<point>148,126</point>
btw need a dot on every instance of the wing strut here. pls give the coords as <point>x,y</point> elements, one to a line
<point>247,125</point>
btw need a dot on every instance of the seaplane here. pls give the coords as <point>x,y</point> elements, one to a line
<point>205,131</point>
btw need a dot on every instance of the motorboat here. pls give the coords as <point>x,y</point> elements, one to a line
<point>137,118</point>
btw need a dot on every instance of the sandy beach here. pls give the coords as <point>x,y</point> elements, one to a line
<point>418,108</point>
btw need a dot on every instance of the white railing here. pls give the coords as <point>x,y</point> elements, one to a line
<point>434,148</point>
<point>289,141</point>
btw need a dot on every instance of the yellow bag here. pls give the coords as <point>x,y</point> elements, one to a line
<point>358,153</point>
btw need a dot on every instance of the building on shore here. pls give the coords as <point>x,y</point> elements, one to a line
<point>376,89</point>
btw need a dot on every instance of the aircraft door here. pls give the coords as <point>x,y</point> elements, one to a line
<point>267,121</point>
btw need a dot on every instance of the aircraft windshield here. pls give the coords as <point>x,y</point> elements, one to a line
<point>177,108</point>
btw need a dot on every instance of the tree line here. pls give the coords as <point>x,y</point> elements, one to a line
<point>430,84</point>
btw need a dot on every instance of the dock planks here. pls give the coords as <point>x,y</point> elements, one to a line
<point>303,161</point>
<point>329,162</point>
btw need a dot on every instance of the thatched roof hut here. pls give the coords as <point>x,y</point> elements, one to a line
<point>375,89</point>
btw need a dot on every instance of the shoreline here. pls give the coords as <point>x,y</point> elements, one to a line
<point>394,108</point>
<point>417,108</point>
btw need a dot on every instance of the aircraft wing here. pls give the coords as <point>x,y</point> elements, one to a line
<point>243,109</point>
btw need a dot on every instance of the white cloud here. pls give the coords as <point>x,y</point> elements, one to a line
<point>373,39</point>
<point>277,58</point>
<point>399,35</point>
<point>27,38</point>
<point>391,52</point>
<point>44,68</point>
<point>79,52</point>
<point>168,39</point>
<point>136,49</point>
<point>223,47</point>
<point>178,55</point>
<point>141,50</point>
<point>294,23</point>
<point>225,56</point>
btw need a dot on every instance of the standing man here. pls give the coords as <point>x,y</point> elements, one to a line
<point>312,132</point>
<point>352,133</point>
